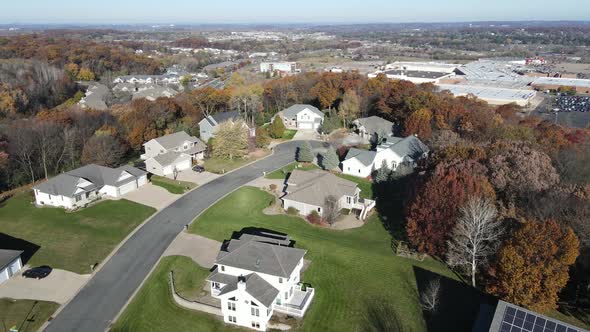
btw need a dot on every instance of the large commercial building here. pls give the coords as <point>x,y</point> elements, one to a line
<point>417,72</point>
<point>494,96</point>
<point>554,83</point>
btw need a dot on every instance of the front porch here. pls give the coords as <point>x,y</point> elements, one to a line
<point>299,302</point>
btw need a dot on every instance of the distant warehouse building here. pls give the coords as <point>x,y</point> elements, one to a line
<point>417,72</point>
<point>554,83</point>
<point>283,67</point>
<point>493,96</point>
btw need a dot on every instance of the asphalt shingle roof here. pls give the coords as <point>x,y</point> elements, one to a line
<point>375,124</point>
<point>169,157</point>
<point>256,286</point>
<point>365,157</point>
<point>295,109</point>
<point>313,187</point>
<point>172,141</point>
<point>7,256</point>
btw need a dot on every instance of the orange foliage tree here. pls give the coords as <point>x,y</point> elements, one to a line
<point>532,266</point>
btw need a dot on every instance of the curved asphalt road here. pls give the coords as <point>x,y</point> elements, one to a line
<point>99,302</point>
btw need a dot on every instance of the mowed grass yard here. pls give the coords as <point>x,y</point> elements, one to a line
<point>26,315</point>
<point>153,308</point>
<point>349,269</point>
<point>173,186</point>
<point>71,241</point>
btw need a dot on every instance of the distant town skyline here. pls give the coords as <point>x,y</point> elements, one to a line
<point>301,11</point>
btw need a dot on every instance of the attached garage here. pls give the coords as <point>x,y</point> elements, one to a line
<point>164,164</point>
<point>127,187</point>
<point>10,263</point>
<point>306,125</point>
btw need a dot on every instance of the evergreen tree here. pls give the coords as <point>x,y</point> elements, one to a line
<point>330,159</point>
<point>383,173</point>
<point>305,153</point>
<point>276,128</point>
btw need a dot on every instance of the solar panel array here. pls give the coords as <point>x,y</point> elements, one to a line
<point>516,320</point>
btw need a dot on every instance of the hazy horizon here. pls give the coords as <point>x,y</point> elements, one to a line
<point>302,11</point>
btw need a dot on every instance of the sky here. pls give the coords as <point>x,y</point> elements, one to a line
<point>281,11</point>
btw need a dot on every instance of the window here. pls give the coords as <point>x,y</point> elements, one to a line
<point>185,146</point>
<point>280,280</point>
<point>319,209</point>
<point>231,306</point>
<point>286,295</point>
<point>359,170</point>
<point>222,268</point>
<point>232,319</point>
<point>255,325</point>
<point>78,198</point>
<point>255,312</point>
<point>348,199</point>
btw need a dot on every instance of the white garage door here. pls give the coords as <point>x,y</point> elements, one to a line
<point>305,125</point>
<point>128,187</point>
<point>181,166</point>
<point>142,180</point>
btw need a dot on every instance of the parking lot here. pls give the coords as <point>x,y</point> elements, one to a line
<point>572,104</point>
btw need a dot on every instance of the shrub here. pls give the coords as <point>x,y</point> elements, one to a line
<point>314,218</point>
<point>262,137</point>
<point>273,187</point>
<point>292,211</point>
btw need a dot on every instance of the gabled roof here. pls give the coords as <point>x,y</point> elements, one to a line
<point>8,256</point>
<point>365,157</point>
<point>256,286</point>
<point>252,255</point>
<point>172,141</point>
<point>169,158</point>
<point>225,116</point>
<point>297,108</point>
<point>155,93</point>
<point>67,183</point>
<point>313,187</point>
<point>409,146</point>
<point>375,124</point>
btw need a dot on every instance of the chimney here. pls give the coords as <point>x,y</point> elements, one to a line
<point>241,283</point>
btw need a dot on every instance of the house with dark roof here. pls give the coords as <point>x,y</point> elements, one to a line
<point>393,152</point>
<point>172,153</point>
<point>210,124</point>
<point>301,116</point>
<point>76,188</point>
<point>257,275</point>
<point>373,127</point>
<point>10,263</point>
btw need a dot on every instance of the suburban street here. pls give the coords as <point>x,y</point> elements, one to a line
<point>95,307</point>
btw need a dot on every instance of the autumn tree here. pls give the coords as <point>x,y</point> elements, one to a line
<point>475,236</point>
<point>105,150</point>
<point>434,210</point>
<point>327,90</point>
<point>277,128</point>
<point>349,108</point>
<point>305,152</point>
<point>85,74</point>
<point>262,138</point>
<point>532,266</point>
<point>419,123</point>
<point>231,140</point>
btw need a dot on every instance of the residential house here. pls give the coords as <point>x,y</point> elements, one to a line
<point>10,263</point>
<point>76,188</point>
<point>300,116</point>
<point>257,275</point>
<point>154,93</point>
<point>308,191</point>
<point>148,79</point>
<point>95,97</point>
<point>394,152</point>
<point>210,124</point>
<point>372,128</point>
<point>172,153</point>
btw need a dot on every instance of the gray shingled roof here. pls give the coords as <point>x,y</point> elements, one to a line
<point>67,183</point>
<point>410,146</point>
<point>295,109</point>
<point>172,141</point>
<point>255,256</point>
<point>375,124</point>
<point>365,157</point>
<point>8,256</point>
<point>220,117</point>
<point>313,187</point>
<point>168,158</point>
<point>256,286</point>
<point>155,93</point>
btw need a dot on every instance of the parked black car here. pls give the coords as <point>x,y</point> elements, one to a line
<point>38,272</point>
<point>198,169</point>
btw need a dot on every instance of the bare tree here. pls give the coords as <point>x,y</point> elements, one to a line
<point>430,297</point>
<point>175,172</point>
<point>22,146</point>
<point>331,210</point>
<point>475,236</point>
<point>49,142</point>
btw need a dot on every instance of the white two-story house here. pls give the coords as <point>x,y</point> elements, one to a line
<point>300,116</point>
<point>172,153</point>
<point>393,152</point>
<point>257,275</point>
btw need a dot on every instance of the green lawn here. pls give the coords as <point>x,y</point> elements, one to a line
<point>71,241</point>
<point>288,134</point>
<point>26,315</point>
<point>153,308</point>
<point>220,166</point>
<point>349,269</point>
<point>173,186</point>
<point>365,185</point>
<point>283,172</point>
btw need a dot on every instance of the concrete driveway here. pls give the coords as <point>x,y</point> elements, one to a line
<point>59,286</point>
<point>198,178</point>
<point>201,250</point>
<point>306,135</point>
<point>151,195</point>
